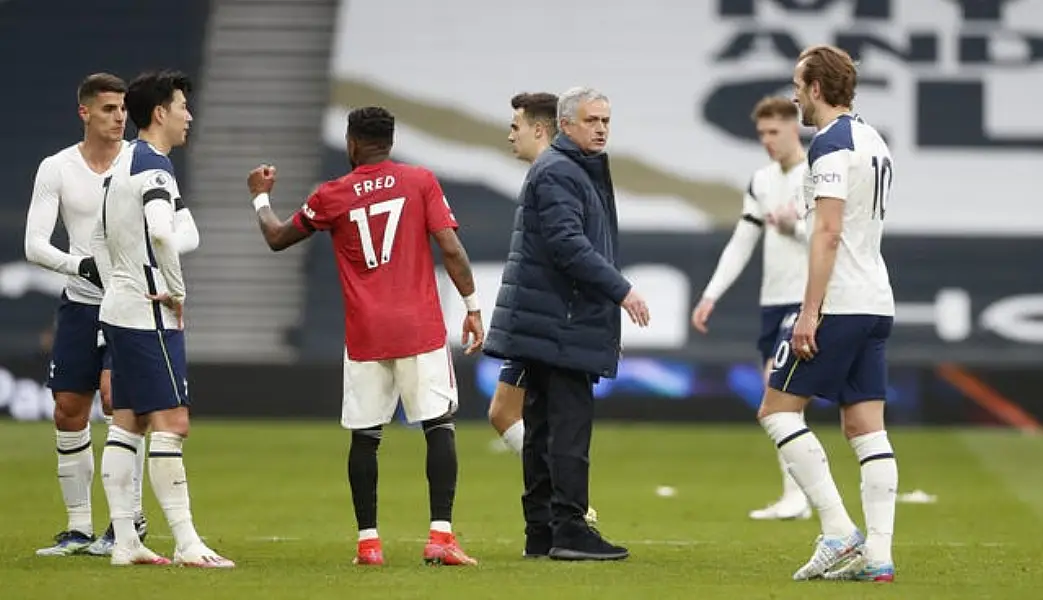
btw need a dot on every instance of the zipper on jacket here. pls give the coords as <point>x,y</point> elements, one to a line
<point>572,299</point>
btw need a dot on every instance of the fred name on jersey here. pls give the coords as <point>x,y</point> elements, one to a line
<point>366,186</point>
<point>361,188</point>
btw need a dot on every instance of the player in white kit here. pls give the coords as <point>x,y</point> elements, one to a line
<point>770,205</point>
<point>142,317</point>
<point>838,345</point>
<point>70,184</point>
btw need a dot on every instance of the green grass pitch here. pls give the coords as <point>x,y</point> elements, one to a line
<point>274,497</point>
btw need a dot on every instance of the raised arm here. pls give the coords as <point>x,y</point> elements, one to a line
<point>278,234</point>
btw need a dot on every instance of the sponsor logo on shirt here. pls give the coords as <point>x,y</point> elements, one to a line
<point>826,178</point>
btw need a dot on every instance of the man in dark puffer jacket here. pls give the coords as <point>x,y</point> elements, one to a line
<point>558,313</point>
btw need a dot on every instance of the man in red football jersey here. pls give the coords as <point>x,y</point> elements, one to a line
<point>380,217</point>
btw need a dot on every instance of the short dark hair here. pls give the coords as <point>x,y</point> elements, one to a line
<point>774,106</point>
<point>372,124</point>
<point>99,83</point>
<point>835,72</point>
<point>539,106</point>
<point>152,89</point>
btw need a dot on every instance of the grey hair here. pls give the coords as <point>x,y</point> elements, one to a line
<point>569,102</point>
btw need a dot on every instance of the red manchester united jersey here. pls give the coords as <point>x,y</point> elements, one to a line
<point>380,217</point>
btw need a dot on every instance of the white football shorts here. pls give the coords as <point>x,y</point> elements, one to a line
<point>426,384</point>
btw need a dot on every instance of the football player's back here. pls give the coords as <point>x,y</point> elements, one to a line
<point>387,227</point>
<point>381,217</point>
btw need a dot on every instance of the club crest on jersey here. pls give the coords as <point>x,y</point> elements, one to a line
<point>158,180</point>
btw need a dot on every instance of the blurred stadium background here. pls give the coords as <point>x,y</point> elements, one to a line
<point>953,84</point>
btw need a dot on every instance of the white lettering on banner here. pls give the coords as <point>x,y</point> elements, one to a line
<point>688,117</point>
<point>25,399</point>
<point>28,400</point>
<point>19,278</point>
<point>1014,318</point>
<point>668,293</point>
<point>950,314</point>
<point>665,288</point>
<point>1018,318</point>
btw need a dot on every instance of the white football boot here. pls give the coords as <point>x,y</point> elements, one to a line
<point>201,557</point>
<point>135,554</point>
<point>831,552</point>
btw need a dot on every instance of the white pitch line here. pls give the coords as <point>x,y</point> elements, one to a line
<point>645,542</point>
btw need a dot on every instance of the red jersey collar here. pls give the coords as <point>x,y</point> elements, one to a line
<point>373,167</point>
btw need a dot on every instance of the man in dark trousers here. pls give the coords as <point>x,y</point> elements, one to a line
<point>558,313</point>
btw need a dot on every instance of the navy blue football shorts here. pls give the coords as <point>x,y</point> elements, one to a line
<point>851,364</point>
<point>149,369</point>
<point>513,373</point>
<point>776,323</point>
<point>79,352</point>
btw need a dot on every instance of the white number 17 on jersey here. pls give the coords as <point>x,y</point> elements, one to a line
<point>360,217</point>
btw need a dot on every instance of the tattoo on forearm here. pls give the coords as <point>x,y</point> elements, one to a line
<point>459,270</point>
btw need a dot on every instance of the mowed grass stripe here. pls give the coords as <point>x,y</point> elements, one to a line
<point>251,480</point>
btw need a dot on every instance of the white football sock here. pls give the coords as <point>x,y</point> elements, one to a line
<point>809,466</point>
<point>139,472</point>
<point>514,437</point>
<point>166,470</point>
<point>139,480</point>
<point>117,476</point>
<point>791,491</point>
<point>368,534</point>
<point>75,474</point>
<point>879,492</point>
<point>441,526</point>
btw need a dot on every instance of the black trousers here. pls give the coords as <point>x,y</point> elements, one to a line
<point>559,419</point>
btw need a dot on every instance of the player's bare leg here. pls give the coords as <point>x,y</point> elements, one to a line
<point>125,438</point>
<point>781,416</point>
<point>103,545</point>
<point>793,504</point>
<point>362,476</point>
<point>442,547</point>
<point>75,472</point>
<point>505,415</point>
<point>863,425</point>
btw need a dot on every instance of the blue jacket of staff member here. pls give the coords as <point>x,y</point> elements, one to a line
<point>560,295</point>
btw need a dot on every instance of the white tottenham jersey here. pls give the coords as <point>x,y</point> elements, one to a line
<point>785,257</point>
<point>850,161</point>
<point>137,220</point>
<point>66,186</point>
